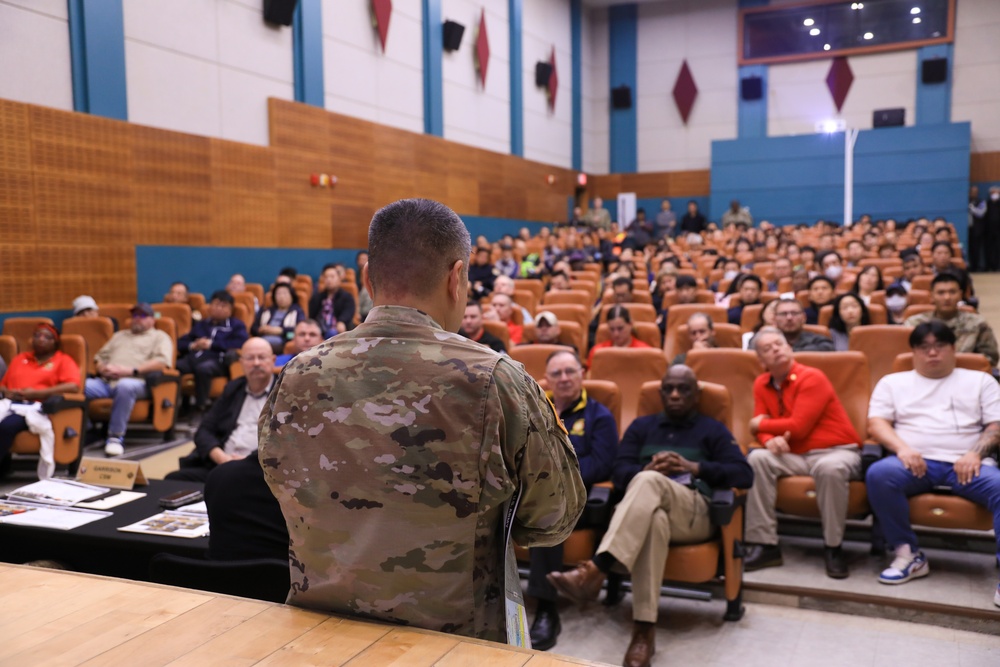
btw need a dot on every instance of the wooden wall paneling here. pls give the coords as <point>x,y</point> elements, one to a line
<point>984,167</point>
<point>430,167</point>
<point>15,144</point>
<point>297,126</point>
<point>394,169</point>
<point>465,183</point>
<point>493,195</point>
<point>16,186</point>
<point>244,195</point>
<point>304,210</point>
<point>696,183</point>
<point>352,145</point>
<point>19,271</point>
<point>172,201</point>
<point>106,273</point>
<point>606,187</point>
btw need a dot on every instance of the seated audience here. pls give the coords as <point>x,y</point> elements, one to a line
<point>331,306</point>
<point>749,289</point>
<point>34,376</point>
<point>237,285</point>
<point>85,306</point>
<point>308,335</point>
<point>559,282</point>
<point>767,319</point>
<point>849,311</point>
<point>276,323</point>
<point>210,344</point>
<point>931,443</point>
<point>504,307</point>
<point>472,327</point>
<point>547,329</point>
<point>972,332</point>
<point>620,328</point>
<point>667,465</point>
<point>178,293</point>
<point>913,266</point>
<point>868,282</point>
<point>942,255</point>
<point>594,434</point>
<point>821,292</point>
<point>482,273</point>
<point>790,319</point>
<point>228,431</point>
<point>896,301</point>
<point>505,285</point>
<point>804,430</point>
<point>122,364</point>
<point>507,265</point>
<point>701,331</point>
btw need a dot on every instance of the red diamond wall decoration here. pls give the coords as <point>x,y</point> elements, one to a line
<point>839,80</point>
<point>553,81</point>
<point>685,92</point>
<point>482,51</point>
<point>381,11</point>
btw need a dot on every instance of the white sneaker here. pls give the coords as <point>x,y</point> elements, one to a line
<point>114,447</point>
<point>905,566</point>
<point>996,596</point>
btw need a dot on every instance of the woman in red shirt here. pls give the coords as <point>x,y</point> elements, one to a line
<point>620,328</point>
<point>34,376</point>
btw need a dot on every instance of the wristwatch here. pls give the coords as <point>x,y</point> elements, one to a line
<point>135,372</point>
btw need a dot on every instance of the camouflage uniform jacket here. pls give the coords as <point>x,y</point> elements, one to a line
<point>971,330</point>
<point>392,450</point>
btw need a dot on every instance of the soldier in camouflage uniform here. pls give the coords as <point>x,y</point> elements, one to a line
<point>972,331</point>
<point>394,447</point>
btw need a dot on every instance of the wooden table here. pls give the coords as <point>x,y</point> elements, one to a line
<point>52,617</point>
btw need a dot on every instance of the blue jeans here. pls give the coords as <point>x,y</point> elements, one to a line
<point>890,484</point>
<point>123,395</point>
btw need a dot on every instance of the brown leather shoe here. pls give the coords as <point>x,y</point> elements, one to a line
<point>643,645</point>
<point>580,585</point>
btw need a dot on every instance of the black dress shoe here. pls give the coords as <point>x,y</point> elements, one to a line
<point>836,562</point>
<point>545,629</point>
<point>759,556</point>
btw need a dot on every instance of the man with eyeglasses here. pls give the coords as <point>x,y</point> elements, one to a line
<point>667,464</point>
<point>594,434</point>
<point>940,423</point>
<point>804,430</point>
<point>790,318</point>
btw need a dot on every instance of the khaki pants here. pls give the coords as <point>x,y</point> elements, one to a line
<point>655,512</point>
<point>832,468</point>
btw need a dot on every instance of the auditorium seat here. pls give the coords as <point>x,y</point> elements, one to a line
<point>526,300</point>
<point>628,368</point>
<point>499,330</point>
<point>534,357</point>
<point>119,312</point>
<point>570,312</point>
<point>736,369</point>
<point>876,313</point>
<point>577,297</point>
<point>21,329</point>
<point>880,343</point>
<point>679,314</point>
<point>570,333</point>
<point>639,312</point>
<point>96,331</point>
<point>970,360</point>
<point>180,313</point>
<point>533,285</point>
<point>647,332</point>
<point>726,335</point>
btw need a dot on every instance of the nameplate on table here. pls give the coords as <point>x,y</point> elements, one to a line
<point>111,473</point>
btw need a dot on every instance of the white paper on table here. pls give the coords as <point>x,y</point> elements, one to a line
<point>57,492</point>
<point>119,498</point>
<point>52,517</point>
<point>171,524</point>
<point>193,508</point>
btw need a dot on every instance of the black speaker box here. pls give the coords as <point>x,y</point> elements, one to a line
<point>542,73</point>
<point>934,70</point>
<point>888,117</point>
<point>279,11</point>
<point>621,97</point>
<point>751,88</point>
<point>452,33</point>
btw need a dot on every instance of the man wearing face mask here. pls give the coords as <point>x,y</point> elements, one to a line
<point>896,301</point>
<point>832,265</point>
<point>991,230</point>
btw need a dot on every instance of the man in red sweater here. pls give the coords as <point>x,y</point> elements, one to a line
<point>804,430</point>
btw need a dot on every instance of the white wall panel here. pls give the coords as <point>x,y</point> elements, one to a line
<point>205,67</point>
<point>359,79</point>
<point>548,133</point>
<point>703,33</point>
<point>34,50</point>
<point>975,93</point>
<point>798,96</point>
<point>475,114</point>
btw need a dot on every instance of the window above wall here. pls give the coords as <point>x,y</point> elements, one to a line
<point>828,28</point>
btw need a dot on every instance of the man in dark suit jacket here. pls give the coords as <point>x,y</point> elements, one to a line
<point>228,432</point>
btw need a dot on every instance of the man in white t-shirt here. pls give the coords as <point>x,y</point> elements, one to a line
<point>940,422</point>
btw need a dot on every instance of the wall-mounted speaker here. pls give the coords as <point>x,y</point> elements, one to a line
<point>279,11</point>
<point>621,97</point>
<point>934,70</point>
<point>543,71</point>
<point>888,117</point>
<point>751,88</point>
<point>451,33</point>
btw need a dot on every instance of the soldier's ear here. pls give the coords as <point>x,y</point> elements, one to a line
<point>458,281</point>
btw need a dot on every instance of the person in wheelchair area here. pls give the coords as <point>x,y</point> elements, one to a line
<point>941,423</point>
<point>668,463</point>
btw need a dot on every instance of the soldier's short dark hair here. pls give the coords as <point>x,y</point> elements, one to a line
<point>412,244</point>
<point>941,332</point>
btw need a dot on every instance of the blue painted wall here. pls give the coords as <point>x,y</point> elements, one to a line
<point>576,66</point>
<point>623,28</point>
<point>97,54</point>
<point>899,172</point>
<point>433,77</point>
<point>307,53</point>
<point>515,15</point>
<point>933,105</point>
